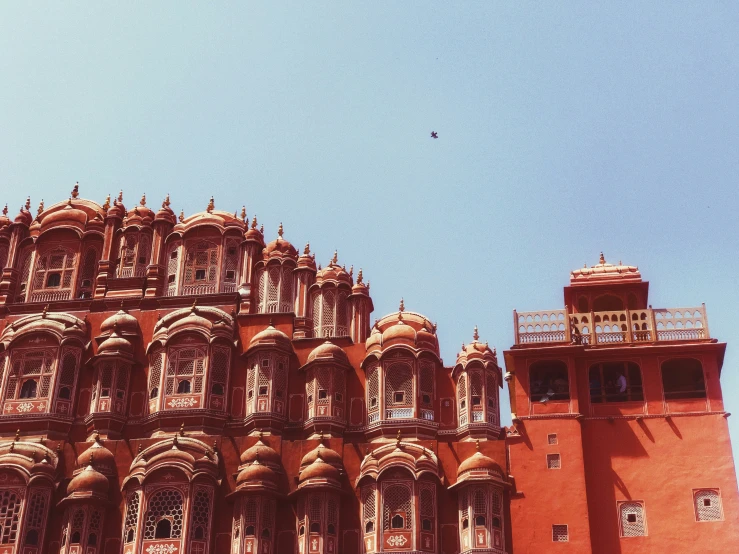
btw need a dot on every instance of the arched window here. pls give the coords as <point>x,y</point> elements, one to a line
<point>132,517</point>
<point>31,373</point>
<point>549,380</point>
<point>173,268</point>
<point>185,370</point>
<point>683,378</point>
<point>134,254</point>
<point>275,289</point>
<point>615,382</point>
<point>9,515</point>
<point>373,393</point>
<point>163,518</point>
<point>28,390</point>
<point>24,269</point>
<point>397,505</point>
<point>368,508</point>
<point>52,279</point>
<point>231,259</point>
<point>3,256</point>
<point>330,313</point>
<point>201,268</point>
<point>398,391</point>
<point>462,399</point>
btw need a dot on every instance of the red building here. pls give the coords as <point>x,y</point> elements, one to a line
<point>182,385</point>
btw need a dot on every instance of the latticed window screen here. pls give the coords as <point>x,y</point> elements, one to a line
<point>497,502</point>
<point>286,290</point>
<point>86,279</point>
<point>462,397</point>
<point>155,371</point>
<point>332,512</point>
<point>201,263</point>
<point>134,254</point>
<point>426,379</point>
<point>368,506</point>
<point>480,503</point>
<point>173,266</point>
<point>10,508</point>
<point>560,533</point>
<point>553,461</point>
<point>373,388</point>
<point>323,386</point>
<point>632,519</point>
<point>219,371</point>
<point>185,364</point>
<point>36,365</point>
<point>250,513</point>
<point>251,377</point>
<point>398,379</point>
<point>275,290</point>
<point>491,391</point>
<point>164,504</point>
<point>67,373</point>
<point>464,507</point>
<point>78,522</point>
<point>132,517</point>
<point>552,438</point>
<point>53,274</point>
<point>201,509</point>
<point>426,502</point>
<point>267,522</point>
<point>3,256</point>
<point>24,267</point>
<point>280,382</point>
<point>708,505</point>
<point>37,508</point>
<point>231,259</point>
<point>396,498</point>
<point>330,313</point>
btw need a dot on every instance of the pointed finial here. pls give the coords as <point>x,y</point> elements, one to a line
<point>321,438</point>
<point>306,250</point>
<point>28,203</point>
<point>335,259</point>
<point>182,216</point>
<point>211,205</point>
<point>254,222</point>
<point>92,457</point>
<point>360,277</point>
<point>368,285</point>
<point>76,190</point>
<point>143,200</point>
<point>261,434</point>
<point>192,308</point>
<point>141,448</point>
<point>12,446</point>
<point>319,267</point>
<point>17,434</point>
<point>165,204</point>
<point>401,308</point>
<point>40,207</point>
<point>97,437</point>
<point>261,228</point>
<point>351,271</point>
<point>182,429</point>
<point>106,206</point>
<point>45,311</point>
<point>215,445</point>
<point>619,263</point>
<point>280,230</point>
<point>5,209</point>
<point>243,214</point>
<point>475,335</point>
<point>477,445</point>
<point>120,196</point>
<point>175,442</point>
<point>602,259</point>
<point>397,439</point>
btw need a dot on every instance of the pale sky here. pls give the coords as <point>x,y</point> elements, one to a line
<point>563,129</point>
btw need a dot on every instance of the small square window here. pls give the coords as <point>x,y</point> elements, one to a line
<point>231,251</point>
<point>373,402</point>
<point>475,400</point>
<point>339,397</point>
<point>170,279</point>
<point>553,461</point>
<point>120,394</point>
<point>399,397</point>
<point>265,363</point>
<point>552,438</point>
<point>426,399</point>
<point>230,275</point>
<point>142,260</point>
<point>631,518</point>
<point>560,533</point>
<point>633,522</point>
<point>200,275</point>
<point>251,394</point>
<point>707,502</point>
<point>462,404</point>
<point>262,390</point>
<point>491,403</point>
<point>173,255</point>
<point>105,393</point>
<point>322,394</point>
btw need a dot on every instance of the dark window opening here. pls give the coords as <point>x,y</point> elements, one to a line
<point>339,397</point>
<point>373,401</point>
<point>92,539</point>
<point>231,251</point>
<point>265,533</point>
<point>170,279</point>
<point>480,521</point>
<point>398,397</point>
<point>230,275</point>
<point>28,390</point>
<point>278,393</point>
<point>615,382</point>
<point>465,523</point>
<point>301,531</point>
<point>549,381</point>
<point>129,536</point>
<point>462,404</point>
<point>322,394</point>
<point>86,282</point>
<point>331,529</point>
<point>426,399</point>
<point>183,387</point>
<point>369,527</point>
<point>310,398</point>
<point>491,403</point>
<point>65,393</point>
<point>120,394</point>
<point>398,522</point>
<point>496,522</point>
<point>154,392</point>
<point>173,255</point>
<point>105,393</point>
<point>75,538</point>
<point>608,303</point>
<point>582,305</point>
<point>32,537</point>
<point>199,532</point>
<point>263,390</point>
<point>249,532</point>
<point>265,363</point>
<point>217,388</point>
<point>426,524</point>
<point>315,527</point>
<point>631,518</point>
<point>142,259</point>
<point>707,502</point>
<point>200,275</point>
<point>54,280</point>
<point>163,529</point>
<point>475,400</point>
<point>251,394</point>
<point>683,378</point>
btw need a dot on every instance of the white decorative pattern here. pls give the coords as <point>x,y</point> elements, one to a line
<point>397,540</point>
<point>162,549</point>
<point>182,402</point>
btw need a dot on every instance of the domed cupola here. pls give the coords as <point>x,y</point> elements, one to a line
<point>4,219</point>
<point>117,210</point>
<point>140,215</point>
<point>271,337</point>
<point>262,452</point>
<point>331,311</point>
<point>126,324</point>
<point>335,273</point>
<point>478,379</point>
<point>89,483</point>
<point>326,454</point>
<point>165,213</point>
<point>408,330</point>
<point>319,475</point>
<point>275,277</point>
<point>325,388</point>
<point>24,216</point>
<point>280,248</point>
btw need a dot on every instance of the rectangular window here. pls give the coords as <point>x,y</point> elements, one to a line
<point>707,505</point>
<point>633,521</point>
<point>552,438</point>
<point>322,394</point>
<point>560,533</point>
<point>399,397</point>
<point>200,275</point>
<point>553,461</point>
<point>263,390</point>
<point>339,397</point>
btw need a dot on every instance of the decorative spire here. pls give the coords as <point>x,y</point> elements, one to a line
<point>477,445</point>
<point>143,200</point>
<point>17,435</point>
<point>351,271</point>
<point>175,443</point>
<point>401,308</point>
<point>397,439</point>
<point>280,230</point>
<point>45,311</point>
<point>165,204</point>
<point>5,209</point>
<point>28,203</point>
<point>192,309</point>
<point>182,429</point>
<point>243,214</point>
<point>215,446</point>
<point>76,190</point>
<point>321,439</point>
<point>306,250</point>
<point>335,259</point>
<point>120,196</point>
<point>106,206</point>
<point>97,437</point>
<point>261,228</point>
<point>602,259</point>
<point>211,205</point>
<point>141,448</point>
<point>360,277</point>
<point>475,335</point>
<point>254,222</point>
<point>182,216</point>
<point>40,207</point>
<point>92,457</point>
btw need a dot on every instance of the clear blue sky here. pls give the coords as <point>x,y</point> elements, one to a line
<point>563,131</point>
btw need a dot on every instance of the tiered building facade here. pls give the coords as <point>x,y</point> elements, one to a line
<point>182,385</point>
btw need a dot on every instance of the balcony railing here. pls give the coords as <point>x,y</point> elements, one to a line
<point>614,327</point>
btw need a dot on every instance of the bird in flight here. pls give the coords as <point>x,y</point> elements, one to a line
<point>434,135</point>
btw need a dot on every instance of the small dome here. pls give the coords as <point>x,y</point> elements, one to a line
<point>102,458</point>
<point>479,461</point>
<point>261,452</point>
<point>256,472</point>
<point>4,219</point>
<point>328,351</point>
<point>69,215</point>
<point>406,328</point>
<point>326,454</point>
<point>125,323</point>
<point>115,344</point>
<point>270,336</point>
<point>24,217</point>
<point>399,331</point>
<point>279,248</point>
<point>476,351</point>
<point>319,470</point>
<point>603,271</point>
<point>334,272</point>
<point>306,259</point>
<point>89,480</point>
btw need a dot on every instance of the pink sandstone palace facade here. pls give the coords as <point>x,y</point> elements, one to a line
<point>185,385</point>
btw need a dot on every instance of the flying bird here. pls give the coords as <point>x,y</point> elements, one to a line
<point>434,135</point>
